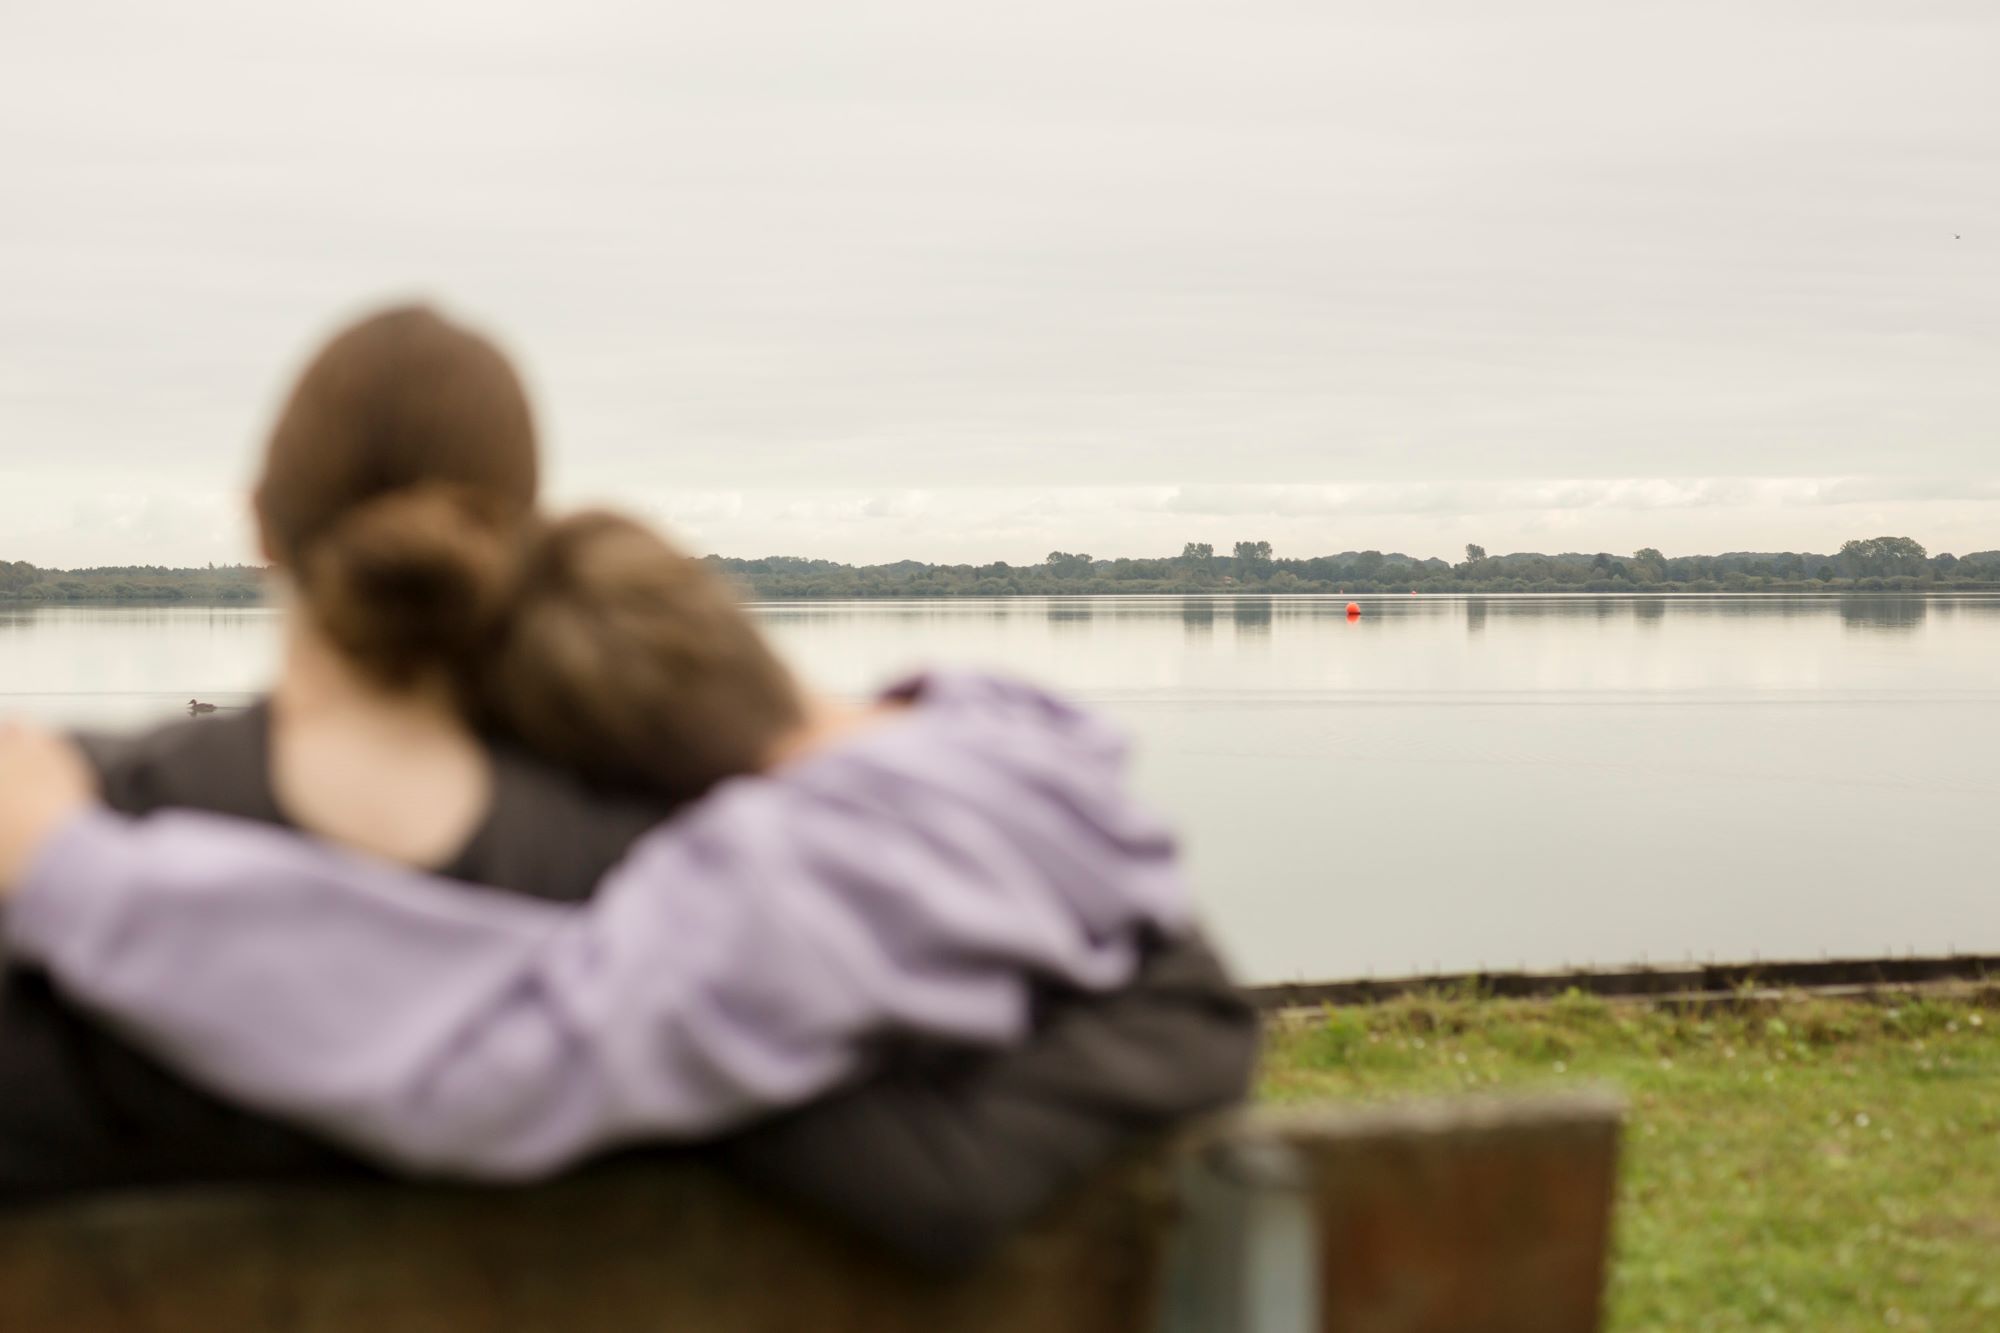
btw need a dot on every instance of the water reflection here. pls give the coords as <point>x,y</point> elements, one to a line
<point>1253,615</point>
<point>1874,614</point>
<point>1198,616</point>
<point>1823,747</point>
<point>1072,614</point>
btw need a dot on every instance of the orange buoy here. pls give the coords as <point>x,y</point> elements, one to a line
<point>1353,611</point>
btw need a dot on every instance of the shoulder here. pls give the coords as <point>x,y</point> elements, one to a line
<point>550,835</point>
<point>1012,754</point>
<point>1003,716</point>
<point>979,788</point>
<point>975,693</point>
<point>219,763</point>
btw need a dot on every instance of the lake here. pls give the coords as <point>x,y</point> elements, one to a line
<point>1442,783</point>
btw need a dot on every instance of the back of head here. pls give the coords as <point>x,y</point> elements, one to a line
<point>634,664</point>
<point>399,489</point>
<point>396,484</point>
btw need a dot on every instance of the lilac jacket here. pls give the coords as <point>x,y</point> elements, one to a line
<point>915,879</point>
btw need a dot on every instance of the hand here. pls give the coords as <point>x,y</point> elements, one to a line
<point>44,780</point>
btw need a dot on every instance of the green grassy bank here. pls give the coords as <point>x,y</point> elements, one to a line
<point>1813,1164</point>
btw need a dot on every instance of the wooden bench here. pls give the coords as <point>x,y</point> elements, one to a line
<point>1461,1216</point>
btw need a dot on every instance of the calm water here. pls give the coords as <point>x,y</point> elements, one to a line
<point>1444,783</point>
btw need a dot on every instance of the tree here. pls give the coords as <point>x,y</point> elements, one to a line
<point>1474,554</point>
<point>1876,557</point>
<point>1198,553</point>
<point>1253,552</point>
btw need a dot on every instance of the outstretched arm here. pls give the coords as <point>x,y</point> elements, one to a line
<point>745,957</point>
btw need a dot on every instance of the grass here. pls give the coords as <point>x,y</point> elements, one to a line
<point>1821,1164</point>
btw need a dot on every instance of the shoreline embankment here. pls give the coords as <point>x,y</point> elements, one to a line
<point>1692,985</point>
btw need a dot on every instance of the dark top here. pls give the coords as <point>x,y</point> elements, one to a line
<point>938,1153</point>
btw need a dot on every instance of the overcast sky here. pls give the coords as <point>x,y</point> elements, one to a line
<point>872,280</point>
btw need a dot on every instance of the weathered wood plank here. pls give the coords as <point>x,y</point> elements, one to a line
<point>1475,1216</point>
<point>654,1247</point>
<point>1467,1216</point>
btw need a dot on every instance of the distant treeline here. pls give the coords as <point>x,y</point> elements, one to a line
<point>1880,564</point>
<point>237,585</point>
<point>1877,564</point>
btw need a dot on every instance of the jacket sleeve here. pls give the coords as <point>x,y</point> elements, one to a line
<point>746,957</point>
<point>939,1158</point>
<point>81,1110</point>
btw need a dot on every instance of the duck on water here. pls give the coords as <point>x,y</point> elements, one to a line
<point>197,706</point>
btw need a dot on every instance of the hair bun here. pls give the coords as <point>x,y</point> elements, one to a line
<point>634,664</point>
<point>415,579</point>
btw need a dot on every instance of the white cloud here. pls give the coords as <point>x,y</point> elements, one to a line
<point>1622,494</point>
<point>1021,524</point>
<point>1685,514</point>
<point>855,507</point>
<point>693,508</point>
<point>1348,271</point>
<point>167,525</point>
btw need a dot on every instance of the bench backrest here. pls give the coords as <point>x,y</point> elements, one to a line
<point>1459,1216</point>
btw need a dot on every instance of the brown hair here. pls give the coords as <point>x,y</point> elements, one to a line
<point>399,486</point>
<point>634,664</point>
<point>395,479</point>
